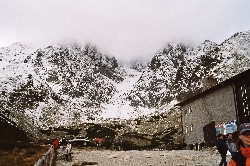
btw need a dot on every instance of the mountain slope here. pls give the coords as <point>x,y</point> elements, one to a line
<point>69,84</point>
<point>178,71</point>
<point>56,84</point>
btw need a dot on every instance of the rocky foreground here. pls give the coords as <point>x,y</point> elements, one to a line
<point>143,158</point>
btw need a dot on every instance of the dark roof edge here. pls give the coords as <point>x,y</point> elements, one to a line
<point>213,88</point>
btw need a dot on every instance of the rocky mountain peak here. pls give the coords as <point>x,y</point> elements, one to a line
<point>70,84</point>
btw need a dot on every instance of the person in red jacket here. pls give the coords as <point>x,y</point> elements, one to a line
<point>56,143</point>
<point>242,157</point>
<point>56,146</point>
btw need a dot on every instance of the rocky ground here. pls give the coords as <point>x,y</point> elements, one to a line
<point>145,158</point>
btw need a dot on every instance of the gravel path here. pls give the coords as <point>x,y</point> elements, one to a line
<point>143,158</point>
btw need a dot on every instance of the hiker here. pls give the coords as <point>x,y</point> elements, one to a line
<point>117,145</point>
<point>64,142</point>
<point>56,143</point>
<point>98,142</point>
<point>222,149</point>
<point>231,144</point>
<point>242,157</point>
<point>56,146</point>
<point>63,145</point>
<point>67,152</point>
<point>121,144</point>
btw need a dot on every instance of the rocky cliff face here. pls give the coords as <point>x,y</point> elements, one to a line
<point>178,71</point>
<point>71,84</point>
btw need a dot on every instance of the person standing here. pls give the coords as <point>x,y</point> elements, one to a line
<point>56,143</point>
<point>222,149</point>
<point>56,146</point>
<point>67,152</point>
<point>242,157</point>
<point>63,145</point>
<point>231,144</point>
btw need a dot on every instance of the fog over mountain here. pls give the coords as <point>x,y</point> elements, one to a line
<point>128,29</point>
<point>71,84</point>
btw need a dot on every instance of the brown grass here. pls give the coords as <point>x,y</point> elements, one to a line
<point>22,157</point>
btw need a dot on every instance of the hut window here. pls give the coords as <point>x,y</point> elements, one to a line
<point>185,111</point>
<point>244,90</point>
<point>189,109</point>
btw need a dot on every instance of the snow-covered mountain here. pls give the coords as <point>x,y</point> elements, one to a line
<point>69,84</point>
<point>178,71</point>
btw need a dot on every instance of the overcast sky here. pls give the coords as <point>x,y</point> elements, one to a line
<point>125,29</point>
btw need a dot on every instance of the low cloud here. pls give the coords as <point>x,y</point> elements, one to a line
<point>125,29</point>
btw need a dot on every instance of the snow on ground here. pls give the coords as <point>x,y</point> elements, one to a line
<point>119,107</point>
<point>145,158</point>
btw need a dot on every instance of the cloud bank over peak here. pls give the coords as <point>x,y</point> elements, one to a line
<point>125,29</point>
